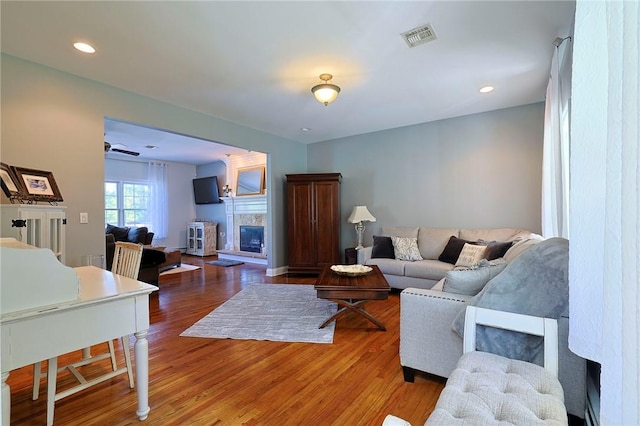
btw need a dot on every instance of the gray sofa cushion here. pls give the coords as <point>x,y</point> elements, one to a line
<point>389,266</point>
<point>535,283</point>
<point>431,241</point>
<point>470,281</point>
<point>428,269</point>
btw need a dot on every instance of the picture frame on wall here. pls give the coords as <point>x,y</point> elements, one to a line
<point>11,185</point>
<point>39,185</point>
<point>250,181</point>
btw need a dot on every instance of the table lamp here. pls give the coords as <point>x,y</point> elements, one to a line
<point>358,215</point>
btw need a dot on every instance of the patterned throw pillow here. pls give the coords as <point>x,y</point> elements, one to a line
<point>470,255</point>
<point>406,248</point>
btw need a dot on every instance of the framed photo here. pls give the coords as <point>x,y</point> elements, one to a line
<point>11,186</point>
<point>39,185</point>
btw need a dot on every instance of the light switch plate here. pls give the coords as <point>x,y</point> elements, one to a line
<point>84,217</point>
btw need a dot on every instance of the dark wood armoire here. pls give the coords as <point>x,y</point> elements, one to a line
<point>313,206</point>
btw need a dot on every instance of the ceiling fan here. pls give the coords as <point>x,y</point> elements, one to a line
<point>108,148</point>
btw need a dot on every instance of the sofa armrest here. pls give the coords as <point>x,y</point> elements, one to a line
<point>364,254</point>
<point>427,341</point>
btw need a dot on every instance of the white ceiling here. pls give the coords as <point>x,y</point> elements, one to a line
<point>168,146</point>
<point>254,62</point>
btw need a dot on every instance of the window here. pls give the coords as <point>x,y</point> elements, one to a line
<point>126,203</point>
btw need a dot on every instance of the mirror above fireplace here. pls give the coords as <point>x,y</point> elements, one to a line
<point>250,181</point>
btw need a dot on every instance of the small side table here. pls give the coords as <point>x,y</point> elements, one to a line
<point>350,256</point>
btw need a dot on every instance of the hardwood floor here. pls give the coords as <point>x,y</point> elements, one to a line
<point>357,380</point>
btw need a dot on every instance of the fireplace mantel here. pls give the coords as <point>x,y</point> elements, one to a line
<point>246,204</point>
<point>238,206</point>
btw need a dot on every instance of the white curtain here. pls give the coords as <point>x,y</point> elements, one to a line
<point>604,262</point>
<point>555,158</point>
<point>158,206</point>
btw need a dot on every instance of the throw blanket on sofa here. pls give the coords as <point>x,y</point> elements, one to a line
<point>535,283</point>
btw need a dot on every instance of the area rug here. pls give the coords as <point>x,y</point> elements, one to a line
<point>182,268</point>
<point>225,262</point>
<point>275,312</point>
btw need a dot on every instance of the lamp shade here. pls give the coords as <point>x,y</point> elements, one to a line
<point>326,92</point>
<point>360,214</point>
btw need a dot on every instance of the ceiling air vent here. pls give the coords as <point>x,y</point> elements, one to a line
<point>419,35</point>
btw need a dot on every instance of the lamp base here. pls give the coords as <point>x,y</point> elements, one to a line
<point>360,231</point>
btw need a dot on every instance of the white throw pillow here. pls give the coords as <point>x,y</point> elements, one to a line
<point>470,255</point>
<point>406,248</point>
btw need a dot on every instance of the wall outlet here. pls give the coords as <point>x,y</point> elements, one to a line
<point>84,217</point>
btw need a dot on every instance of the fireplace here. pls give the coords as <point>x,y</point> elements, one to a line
<point>251,238</point>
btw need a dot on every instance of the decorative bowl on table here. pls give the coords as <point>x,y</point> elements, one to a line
<point>351,270</point>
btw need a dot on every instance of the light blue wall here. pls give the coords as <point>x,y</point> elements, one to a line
<point>481,170</point>
<point>51,120</point>
<point>477,171</point>
<point>214,212</point>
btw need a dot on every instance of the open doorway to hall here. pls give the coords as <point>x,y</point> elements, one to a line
<point>133,151</point>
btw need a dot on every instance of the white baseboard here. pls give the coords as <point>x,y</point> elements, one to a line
<point>277,271</point>
<point>245,259</point>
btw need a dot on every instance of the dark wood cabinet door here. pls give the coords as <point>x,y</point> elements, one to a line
<point>327,223</point>
<point>301,225</point>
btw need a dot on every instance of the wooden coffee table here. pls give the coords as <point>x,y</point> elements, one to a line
<point>351,293</point>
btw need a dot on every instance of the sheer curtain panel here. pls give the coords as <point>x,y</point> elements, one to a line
<point>555,163</point>
<point>604,261</point>
<point>158,205</point>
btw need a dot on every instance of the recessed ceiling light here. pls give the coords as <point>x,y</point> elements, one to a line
<point>305,129</point>
<point>84,47</point>
<point>486,89</point>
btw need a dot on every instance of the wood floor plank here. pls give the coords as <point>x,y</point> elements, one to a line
<point>357,380</point>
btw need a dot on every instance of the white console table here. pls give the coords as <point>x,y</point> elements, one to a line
<point>108,306</point>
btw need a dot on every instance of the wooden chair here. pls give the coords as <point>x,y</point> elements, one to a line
<point>126,262</point>
<point>485,388</point>
<point>537,326</point>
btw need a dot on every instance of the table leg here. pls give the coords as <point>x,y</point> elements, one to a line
<point>141,349</point>
<point>6,400</point>
<point>354,306</point>
<point>52,376</point>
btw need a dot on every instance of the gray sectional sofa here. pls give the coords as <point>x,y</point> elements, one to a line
<point>431,244</point>
<point>431,304</point>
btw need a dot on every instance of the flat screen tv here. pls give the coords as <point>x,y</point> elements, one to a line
<point>205,190</point>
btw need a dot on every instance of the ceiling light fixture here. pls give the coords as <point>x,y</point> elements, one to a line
<point>84,47</point>
<point>487,89</point>
<point>326,92</point>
